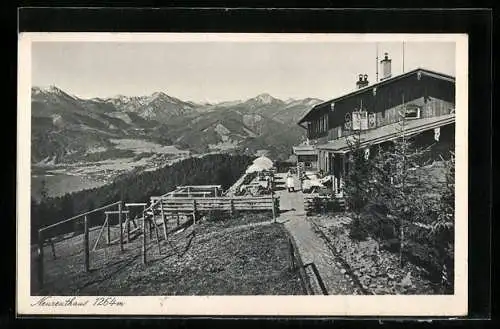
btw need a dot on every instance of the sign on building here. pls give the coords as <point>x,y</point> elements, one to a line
<point>359,120</point>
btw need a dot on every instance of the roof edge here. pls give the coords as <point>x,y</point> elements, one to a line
<point>428,72</point>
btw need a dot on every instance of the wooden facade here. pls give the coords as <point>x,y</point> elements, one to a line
<point>420,87</point>
<point>422,94</point>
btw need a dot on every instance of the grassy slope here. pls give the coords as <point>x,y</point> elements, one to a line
<point>251,261</point>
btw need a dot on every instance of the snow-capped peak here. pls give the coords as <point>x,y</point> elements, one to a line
<point>158,94</point>
<point>265,98</point>
<point>47,89</point>
<point>51,91</point>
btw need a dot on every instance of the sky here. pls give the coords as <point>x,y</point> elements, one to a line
<point>223,71</point>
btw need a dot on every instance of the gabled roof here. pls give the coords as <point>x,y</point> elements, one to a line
<point>390,132</point>
<point>396,78</point>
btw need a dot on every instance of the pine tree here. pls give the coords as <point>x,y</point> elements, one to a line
<point>357,184</point>
<point>399,188</point>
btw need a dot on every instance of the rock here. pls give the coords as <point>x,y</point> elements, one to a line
<point>343,271</point>
<point>406,282</point>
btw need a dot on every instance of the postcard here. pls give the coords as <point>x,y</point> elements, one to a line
<point>242,174</point>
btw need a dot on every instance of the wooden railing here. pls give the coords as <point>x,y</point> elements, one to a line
<point>42,234</point>
<point>195,191</point>
<point>319,203</point>
<point>197,205</point>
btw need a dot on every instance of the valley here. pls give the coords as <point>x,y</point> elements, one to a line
<point>84,143</point>
<point>61,178</point>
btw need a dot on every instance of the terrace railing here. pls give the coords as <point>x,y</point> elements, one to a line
<point>199,205</point>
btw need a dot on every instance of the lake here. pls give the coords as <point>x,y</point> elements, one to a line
<point>60,184</point>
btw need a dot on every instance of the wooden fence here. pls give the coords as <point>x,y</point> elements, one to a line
<point>315,203</point>
<point>170,204</point>
<point>44,235</point>
<point>189,191</point>
<point>197,206</point>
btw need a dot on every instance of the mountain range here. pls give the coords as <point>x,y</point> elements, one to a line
<point>65,128</point>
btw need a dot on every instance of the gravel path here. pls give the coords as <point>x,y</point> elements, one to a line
<point>311,247</point>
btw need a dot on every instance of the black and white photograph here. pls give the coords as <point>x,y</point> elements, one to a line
<point>293,166</point>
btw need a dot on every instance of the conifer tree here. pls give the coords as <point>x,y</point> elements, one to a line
<point>357,184</point>
<point>358,187</point>
<point>398,187</point>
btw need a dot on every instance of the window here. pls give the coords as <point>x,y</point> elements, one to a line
<point>318,127</point>
<point>412,112</point>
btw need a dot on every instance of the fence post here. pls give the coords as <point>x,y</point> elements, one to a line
<point>273,207</point>
<point>163,219</point>
<point>127,220</point>
<point>108,235</point>
<point>86,243</point>
<point>157,237</point>
<point>231,209</point>
<point>194,212</point>
<point>144,238</point>
<point>53,249</point>
<point>292,254</point>
<point>150,224</point>
<point>121,225</point>
<point>40,258</point>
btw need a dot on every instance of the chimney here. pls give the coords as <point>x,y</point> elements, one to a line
<point>362,81</point>
<point>386,67</point>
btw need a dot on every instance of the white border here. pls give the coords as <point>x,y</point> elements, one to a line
<point>432,305</point>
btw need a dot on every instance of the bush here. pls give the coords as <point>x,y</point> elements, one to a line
<point>357,230</point>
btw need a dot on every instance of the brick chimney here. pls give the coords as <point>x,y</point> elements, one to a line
<point>386,67</point>
<point>362,81</point>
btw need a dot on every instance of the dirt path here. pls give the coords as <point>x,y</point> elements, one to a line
<point>311,247</point>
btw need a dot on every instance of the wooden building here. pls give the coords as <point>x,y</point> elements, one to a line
<point>426,99</point>
<point>308,155</point>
